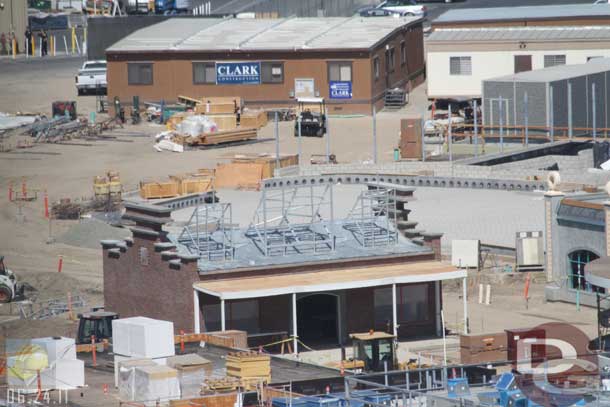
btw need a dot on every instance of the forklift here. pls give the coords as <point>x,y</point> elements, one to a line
<point>376,350</point>
<point>312,115</point>
<point>96,323</point>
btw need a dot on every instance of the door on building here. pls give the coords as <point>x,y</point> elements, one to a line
<point>317,319</point>
<point>523,63</point>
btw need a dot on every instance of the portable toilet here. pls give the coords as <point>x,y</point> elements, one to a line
<point>458,387</point>
<point>288,402</point>
<point>379,398</point>
<point>321,401</point>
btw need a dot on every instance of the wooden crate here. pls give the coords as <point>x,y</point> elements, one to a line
<point>215,108</point>
<point>250,366</point>
<point>253,118</point>
<point>192,184</point>
<point>224,122</point>
<point>159,189</point>
<point>239,175</point>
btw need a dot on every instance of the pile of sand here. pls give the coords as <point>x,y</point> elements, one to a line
<point>88,233</point>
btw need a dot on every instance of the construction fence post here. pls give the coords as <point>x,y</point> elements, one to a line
<point>374,135</point>
<point>476,128</point>
<point>551,115</point>
<point>570,123</point>
<point>594,111</point>
<point>526,119</point>
<point>294,324</point>
<point>449,135</point>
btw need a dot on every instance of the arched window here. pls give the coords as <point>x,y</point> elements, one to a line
<point>576,271</point>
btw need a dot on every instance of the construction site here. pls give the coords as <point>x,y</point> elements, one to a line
<point>258,209</point>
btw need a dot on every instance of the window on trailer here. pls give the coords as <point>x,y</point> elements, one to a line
<point>460,66</point>
<point>340,71</point>
<point>403,53</point>
<point>554,60</point>
<point>140,73</point>
<point>272,72</point>
<point>204,72</point>
<point>391,59</point>
<point>376,67</point>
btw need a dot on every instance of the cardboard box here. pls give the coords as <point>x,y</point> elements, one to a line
<point>156,383</point>
<point>143,337</point>
<point>57,348</point>
<point>120,360</point>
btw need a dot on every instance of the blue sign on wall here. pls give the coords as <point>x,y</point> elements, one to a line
<point>238,73</point>
<point>340,90</point>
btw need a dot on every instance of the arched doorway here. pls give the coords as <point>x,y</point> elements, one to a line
<point>317,318</point>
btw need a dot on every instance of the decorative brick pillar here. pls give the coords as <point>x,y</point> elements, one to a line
<point>433,241</point>
<point>551,202</point>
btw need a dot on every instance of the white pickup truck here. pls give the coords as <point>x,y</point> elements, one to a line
<point>92,77</point>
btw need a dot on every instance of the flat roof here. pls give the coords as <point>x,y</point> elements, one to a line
<point>222,34</point>
<point>557,73</point>
<point>329,280</point>
<point>524,13</point>
<point>531,34</point>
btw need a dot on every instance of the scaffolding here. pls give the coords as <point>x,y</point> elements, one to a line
<point>209,232</point>
<point>372,219</point>
<point>289,221</point>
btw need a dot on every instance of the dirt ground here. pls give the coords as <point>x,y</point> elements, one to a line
<point>32,247</point>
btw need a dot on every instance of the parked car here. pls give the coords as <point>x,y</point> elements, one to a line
<point>92,76</point>
<point>404,7</point>
<point>373,11</point>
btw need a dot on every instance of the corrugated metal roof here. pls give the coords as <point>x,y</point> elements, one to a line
<point>524,13</point>
<point>196,34</point>
<point>596,33</point>
<point>557,73</point>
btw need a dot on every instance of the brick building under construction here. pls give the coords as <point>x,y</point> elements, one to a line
<point>294,269</point>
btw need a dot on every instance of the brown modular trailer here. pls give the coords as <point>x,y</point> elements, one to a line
<point>372,73</point>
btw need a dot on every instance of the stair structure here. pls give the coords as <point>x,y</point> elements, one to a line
<point>395,99</point>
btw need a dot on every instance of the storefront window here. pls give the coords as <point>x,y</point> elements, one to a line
<point>412,304</point>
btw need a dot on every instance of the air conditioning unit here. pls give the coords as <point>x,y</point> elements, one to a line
<point>530,251</point>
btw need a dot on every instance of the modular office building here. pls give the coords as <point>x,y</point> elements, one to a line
<point>350,62</point>
<point>569,96</point>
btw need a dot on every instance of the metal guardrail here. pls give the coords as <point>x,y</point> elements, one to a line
<point>405,180</point>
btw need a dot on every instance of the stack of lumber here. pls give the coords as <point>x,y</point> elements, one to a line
<point>225,384</point>
<point>250,366</point>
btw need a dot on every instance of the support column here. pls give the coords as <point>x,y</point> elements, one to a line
<point>223,326</point>
<point>551,202</point>
<point>196,312</point>
<point>438,309</point>
<point>294,324</point>
<point>465,299</point>
<point>607,210</point>
<point>394,312</point>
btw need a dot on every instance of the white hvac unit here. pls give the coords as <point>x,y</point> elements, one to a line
<point>530,251</point>
<point>465,253</point>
